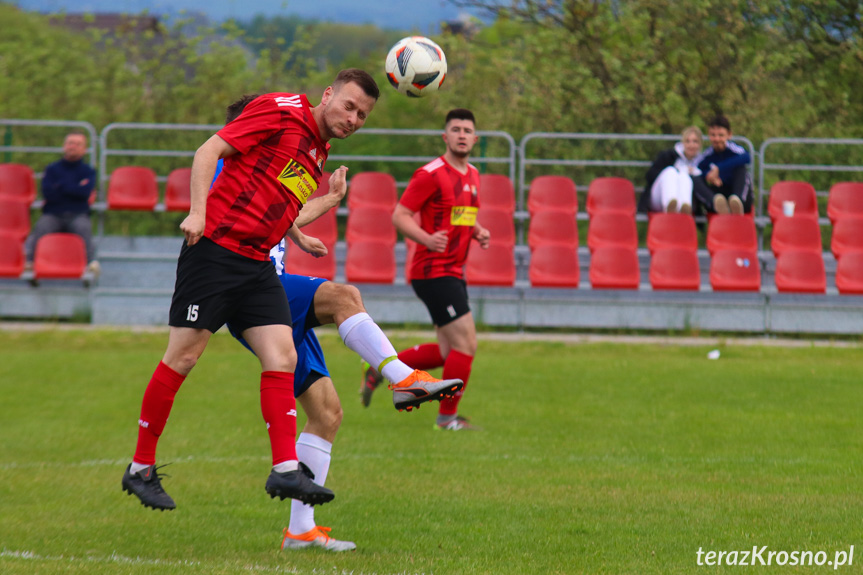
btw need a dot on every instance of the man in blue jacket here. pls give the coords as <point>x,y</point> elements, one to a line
<point>66,188</point>
<point>724,185</point>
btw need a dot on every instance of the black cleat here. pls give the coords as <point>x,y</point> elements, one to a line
<point>298,485</point>
<point>147,486</point>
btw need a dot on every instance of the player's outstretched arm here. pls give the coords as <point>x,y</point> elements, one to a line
<point>316,207</point>
<point>306,243</point>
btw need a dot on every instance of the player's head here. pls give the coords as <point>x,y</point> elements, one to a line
<point>459,132</point>
<point>719,132</point>
<point>691,139</point>
<point>346,104</point>
<point>74,145</point>
<point>233,111</point>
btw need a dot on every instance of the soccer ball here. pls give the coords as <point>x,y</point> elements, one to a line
<point>416,66</point>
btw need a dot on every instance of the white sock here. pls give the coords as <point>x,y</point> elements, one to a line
<point>136,467</point>
<point>290,465</point>
<point>315,452</point>
<point>363,336</point>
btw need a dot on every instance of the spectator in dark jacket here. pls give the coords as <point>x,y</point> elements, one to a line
<point>669,179</point>
<point>66,188</point>
<point>724,185</point>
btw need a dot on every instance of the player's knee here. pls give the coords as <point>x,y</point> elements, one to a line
<point>350,299</point>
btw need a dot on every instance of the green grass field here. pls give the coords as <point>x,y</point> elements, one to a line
<point>594,458</point>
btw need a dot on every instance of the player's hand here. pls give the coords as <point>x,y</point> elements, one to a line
<point>311,245</point>
<point>193,228</point>
<point>438,241</point>
<point>483,236</point>
<point>338,184</point>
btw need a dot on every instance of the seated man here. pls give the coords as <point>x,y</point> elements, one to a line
<point>724,185</point>
<point>66,188</point>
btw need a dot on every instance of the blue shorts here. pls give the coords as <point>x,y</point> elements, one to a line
<point>310,357</point>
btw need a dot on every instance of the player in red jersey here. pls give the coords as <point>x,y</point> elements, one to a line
<point>445,193</point>
<point>274,155</point>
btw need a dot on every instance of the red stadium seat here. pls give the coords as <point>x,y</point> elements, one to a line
<point>60,256</point>
<point>370,261</point>
<point>614,267</point>
<point>730,232</point>
<point>612,229</point>
<point>178,190</point>
<point>800,272</point>
<point>552,193</point>
<point>554,265</point>
<point>849,274</point>
<point>611,195</point>
<point>552,228</point>
<point>325,228</point>
<point>801,193</point>
<point>847,236</point>
<point>795,234</point>
<point>496,191</point>
<point>17,182</point>
<point>671,231</point>
<point>373,189</point>
<point>132,188</point>
<point>845,199</point>
<point>674,269</point>
<point>735,270</point>
<point>299,262</point>
<point>499,223</point>
<point>492,267</point>
<point>370,223</point>
<point>14,219</point>
<point>11,257</point>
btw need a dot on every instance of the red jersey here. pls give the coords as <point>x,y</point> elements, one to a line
<point>261,189</point>
<point>448,200</point>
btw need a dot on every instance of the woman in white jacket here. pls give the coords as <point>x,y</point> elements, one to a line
<point>669,179</point>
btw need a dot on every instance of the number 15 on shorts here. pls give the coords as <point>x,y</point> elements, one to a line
<point>192,313</point>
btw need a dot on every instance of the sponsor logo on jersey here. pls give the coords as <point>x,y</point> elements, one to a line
<point>298,181</point>
<point>289,101</point>
<point>463,216</point>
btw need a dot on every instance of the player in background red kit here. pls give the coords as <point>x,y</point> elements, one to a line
<point>274,156</point>
<point>445,193</point>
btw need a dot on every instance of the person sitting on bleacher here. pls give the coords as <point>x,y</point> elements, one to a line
<point>669,179</point>
<point>66,188</point>
<point>724,185</point>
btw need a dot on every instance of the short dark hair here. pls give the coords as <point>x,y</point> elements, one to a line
<point>459,114</point>
<point>720,121</point>
<point>359,77</point>
<point>233,111</point>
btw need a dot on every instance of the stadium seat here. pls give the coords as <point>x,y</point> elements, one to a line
<point>132,188</point>
<point>730,232</point>
<point>496,191</point>
<point>612,229</point>
<point>370,261</point>
<point>59,256</point>
<point>671,231</point>
<point>795,234</point>
<point>370,223</point>
<point>849,274</point>
<point>735,270</point>
<point>325,228</point>
<point>14,219</point>
<point>17,182</point>
<point>373,189</point>
<point>299,262</point>
<point>674,269</point>
<point>552,193</point>
<point>800,272</point>
<point>500,224</point>
<point>611,195</point>
<point>492,267</point>
<point>847,236</point>
<point>614,267</point>
<point>178,193</point>
<point>11,257</point>
<point>801,193</point>
<point>845,199</point>
<point>552,228</point>
<point>554,265</point>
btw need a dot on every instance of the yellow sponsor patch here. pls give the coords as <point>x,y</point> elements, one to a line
<point>463,216</point>
<point>298,180</point>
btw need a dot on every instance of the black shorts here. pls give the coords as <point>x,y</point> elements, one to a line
<point>445,298</point>
<point>215,285</point>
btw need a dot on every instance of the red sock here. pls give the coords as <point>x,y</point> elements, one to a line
<point>280,414</point>
<point>425,356</point>
<point>155,409</point>
<point>457,366</point>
